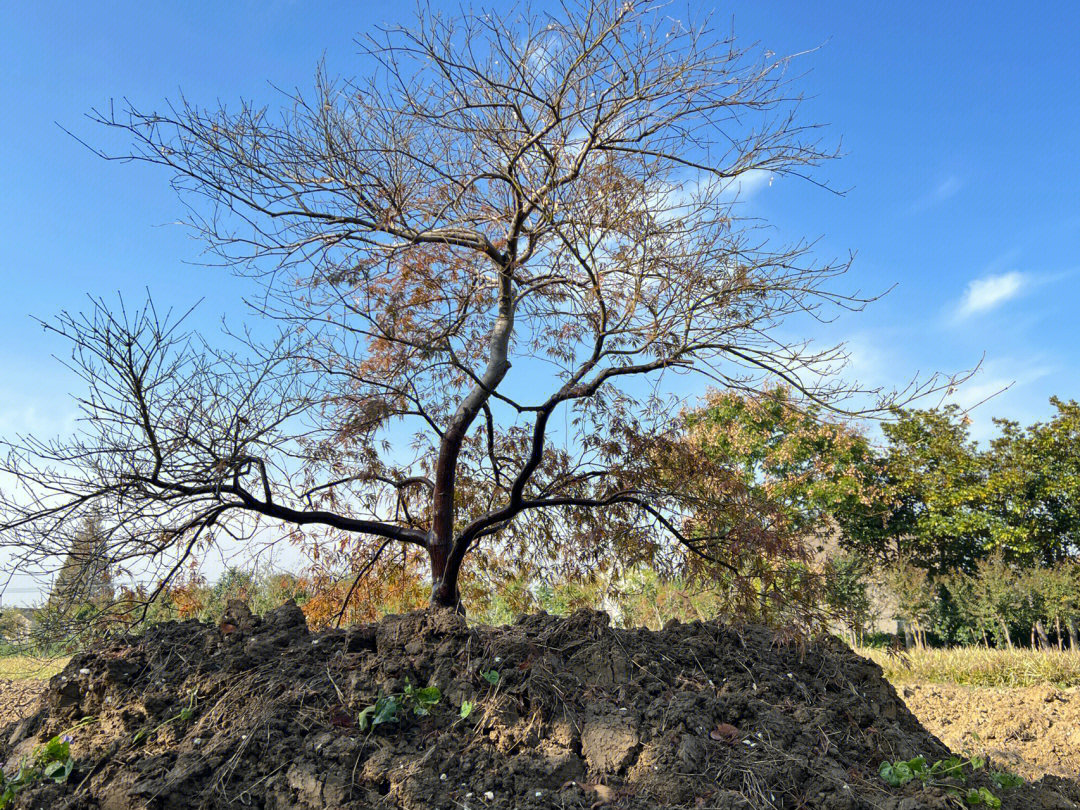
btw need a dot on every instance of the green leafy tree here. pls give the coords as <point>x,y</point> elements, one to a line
<point>1057,589</point>
<point>86,575</point>
<point>794,455</point>
<point>847,592</point>
<point>930,494</point>
<point>1033,489</point>
<point>1000,600</point>
<point>915,595</point>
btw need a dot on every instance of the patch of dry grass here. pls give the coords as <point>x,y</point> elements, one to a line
<point>28,667</point>
<point>978,666</point>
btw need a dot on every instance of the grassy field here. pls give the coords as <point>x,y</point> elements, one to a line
<point>26,667</point>
<point>977,666</point>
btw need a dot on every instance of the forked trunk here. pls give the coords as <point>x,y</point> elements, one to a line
<point>444,586</point>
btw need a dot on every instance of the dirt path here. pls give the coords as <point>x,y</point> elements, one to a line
<point>1036,730</point>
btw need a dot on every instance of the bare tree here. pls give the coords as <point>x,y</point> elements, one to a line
<point>485,256</point>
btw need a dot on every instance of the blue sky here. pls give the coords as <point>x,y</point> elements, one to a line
<point>959,128</point>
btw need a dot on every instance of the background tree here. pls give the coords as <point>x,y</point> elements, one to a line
<point>1033,488</point>
<point>847,593</point>
<point>82,590</point>
<point>786,452</point>
<point>916,596</point>
<point>929,492</point>
<point>484,256</point>
<point>86,575</point>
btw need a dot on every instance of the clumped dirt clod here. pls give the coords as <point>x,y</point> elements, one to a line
<point>566,713</point>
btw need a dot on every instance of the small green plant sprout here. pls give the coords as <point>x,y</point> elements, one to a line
<point>466,709</point>
<point>422,701</point>
<point>982,796</point>
<point>491,676</point>
<point>1006,780</point>
<point>387,708</point>
<point>51,760</point>
<point>383,710</point>
<point>945,773</point>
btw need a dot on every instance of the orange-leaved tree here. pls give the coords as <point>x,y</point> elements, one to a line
<point>486,256</point>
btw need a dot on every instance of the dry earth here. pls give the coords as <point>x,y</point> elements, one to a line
<point>1035,730</point>
<point>17,698</point>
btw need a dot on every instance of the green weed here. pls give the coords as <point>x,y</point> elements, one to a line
<point>945,773</point>
<point>184,715</point>
<point>388,708</point>
<point>51,760</point>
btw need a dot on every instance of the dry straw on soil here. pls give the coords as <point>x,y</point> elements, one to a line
<point>978,666</point>
<point>29,667</point>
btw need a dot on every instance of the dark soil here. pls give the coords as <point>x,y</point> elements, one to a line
<point>699,715</point>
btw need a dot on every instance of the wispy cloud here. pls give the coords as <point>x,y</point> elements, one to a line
<point>1007,387</point>
<point>748,183</point>
<point>941,192</point>
<point>989,292</point>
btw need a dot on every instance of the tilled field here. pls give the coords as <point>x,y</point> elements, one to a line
<point>1034,730</point>
<point>17,698</point>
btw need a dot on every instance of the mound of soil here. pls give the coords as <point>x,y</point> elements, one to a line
<point>566,713</point>
<point>1033,730</point>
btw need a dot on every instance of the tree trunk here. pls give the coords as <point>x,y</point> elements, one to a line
<point>1071,624</point>
<point>1040,632</point>
<point>1057,632</point>
<point>444,586</point>
<point>1005,630</point>
<point>909,640</point>
<point>446,554</point>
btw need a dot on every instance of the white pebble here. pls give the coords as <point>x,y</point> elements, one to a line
<point>442,777</point>
<point>84,671</point>
<point>487,793</point>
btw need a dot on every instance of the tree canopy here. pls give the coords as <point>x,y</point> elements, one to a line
<point>485,256</point>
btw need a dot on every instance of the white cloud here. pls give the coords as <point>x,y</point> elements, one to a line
<point>746,184</point>
<point>984,294</point>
